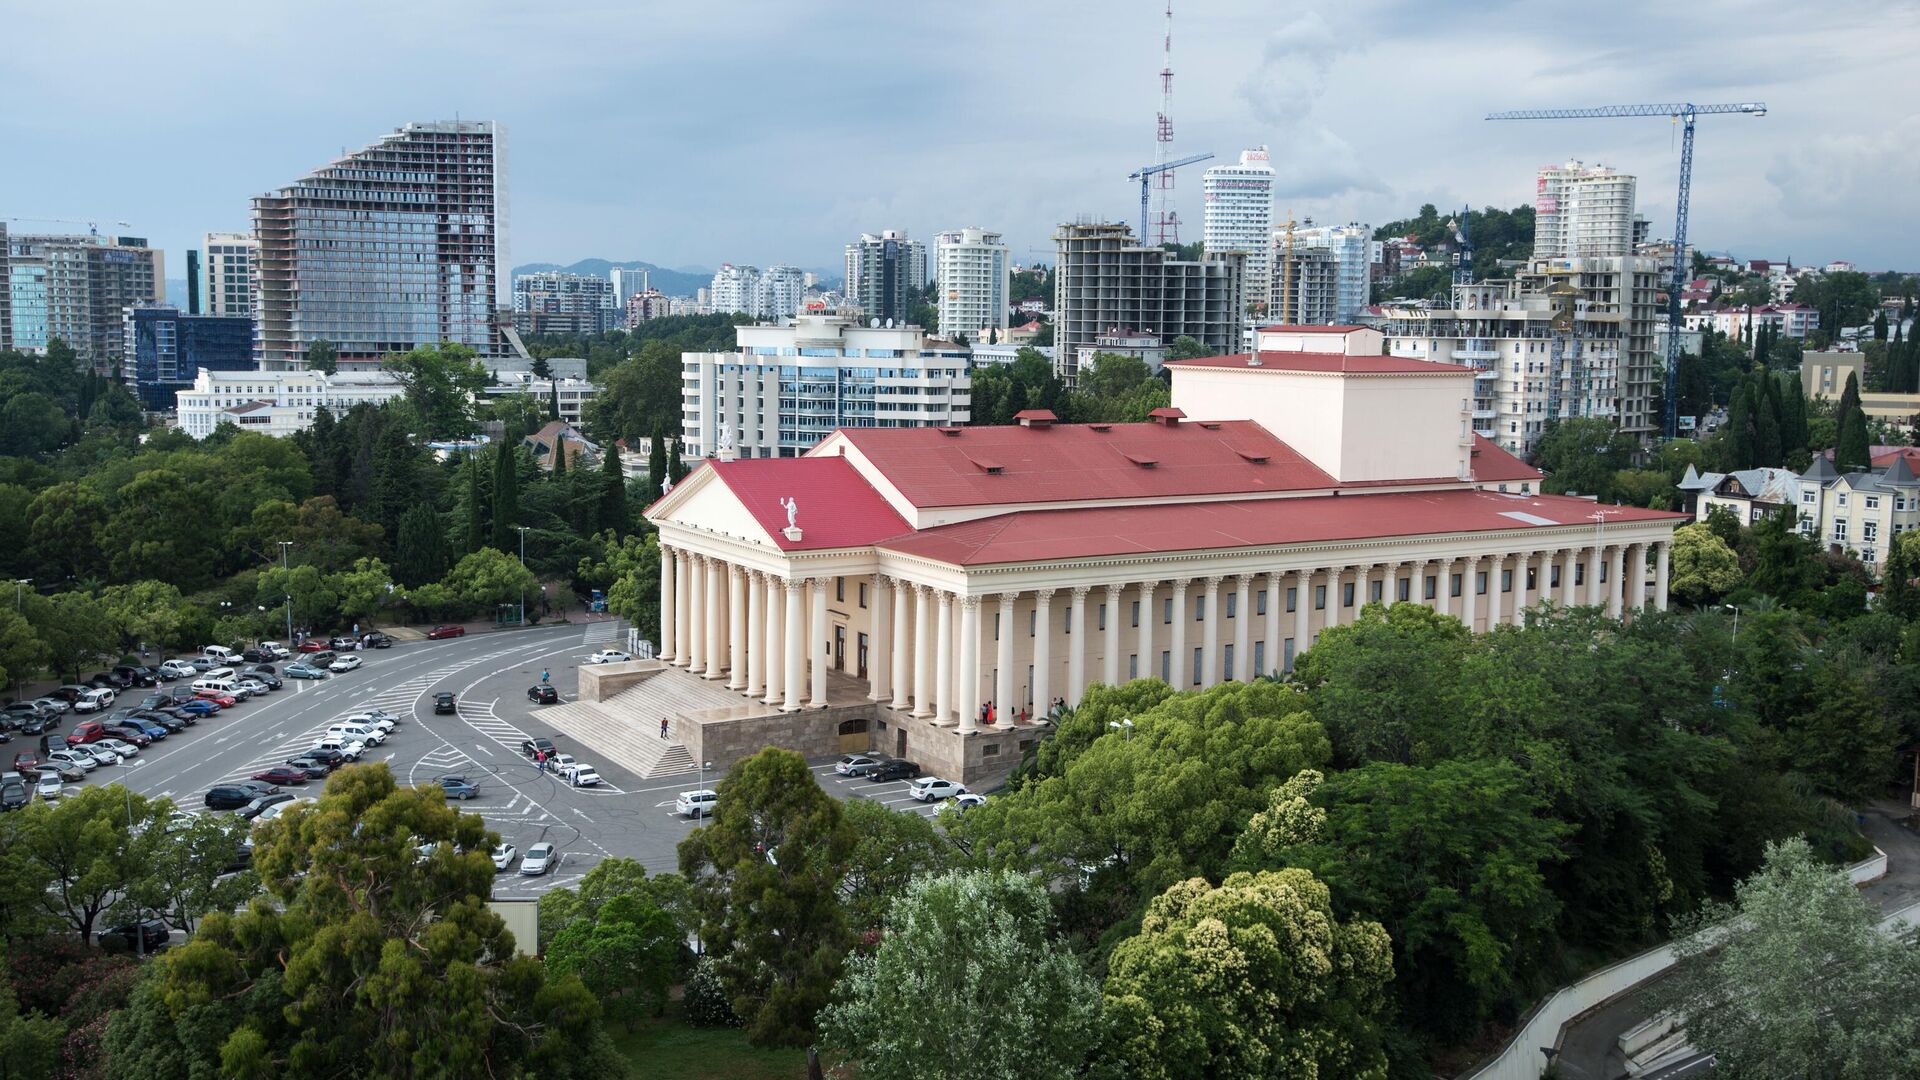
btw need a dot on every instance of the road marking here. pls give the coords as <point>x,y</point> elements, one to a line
<point>167,794</point>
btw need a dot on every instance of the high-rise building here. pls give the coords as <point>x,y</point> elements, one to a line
<point>1581,212</point>
<point>1105,283</point>
<point>75,288</point>
<point>227,265</point>
<point>628,284</point>
<point>880,270</point>
<point>777,294</point>
<point>732,289</point>
<point>193,281</point>
<point>1239,215</point>
<point>971,271</point>
<point>1353,255</point>
<point>166,350</point>
<point>392,246</point>
<point>1315,283</point>
<point>555,302</point>
<point>6,291</point>
<point>651,304</point>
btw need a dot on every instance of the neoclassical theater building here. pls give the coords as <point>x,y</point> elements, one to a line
<point>907,579</point>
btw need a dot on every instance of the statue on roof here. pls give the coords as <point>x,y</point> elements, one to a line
<point>793,512</point>
<point>726,439</point>
<point>666,486</point>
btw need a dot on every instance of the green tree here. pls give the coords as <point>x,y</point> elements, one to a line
<point>1386,686</point>
<point>22,654</point>
<point>476,504</point>
<point>613,492</point>
<point>489,578</point>
<point>323,357</point>
<point>420,551</point>
<point>1794,978</point>
<point>31,424</point>
<point>188,878</point>
<point>76,629</point>
<point>1012,1003</point>
<point>1185,347</point>
<point>93,846</point>
<point>610,879</point>
<point>29,1043</point>
<point>656,465</point>
<point>441,382</point>
<point>1851,451</point>
<point>1582,456</point>
<point>1704,567</point>
<point>1257,977</point>
<point>625,953</point>
<point>766,876</point>
<point>506,491</point>
<point>890,850</point>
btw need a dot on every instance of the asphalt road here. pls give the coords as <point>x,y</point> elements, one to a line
<point>490,673</point>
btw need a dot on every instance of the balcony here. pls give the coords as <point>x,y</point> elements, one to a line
<point>1476,349</point>
<point>1484,414</point>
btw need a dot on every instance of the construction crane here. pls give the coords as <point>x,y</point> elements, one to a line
<point>1288,309</point>
<point>93,227</point>
<point>1462,249</point>
<point>1681,113</point>
<point>1145,175</point>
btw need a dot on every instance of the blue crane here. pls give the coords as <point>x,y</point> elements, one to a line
<point>1683,113</point>
<point>1146,173</point>
<point>1462,249</point>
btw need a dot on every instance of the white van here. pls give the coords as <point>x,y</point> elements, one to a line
<point>223,686</point>
<point>94,701</point>
<point>220,654</point>
<point>365,733</point>
<point>217,673</point>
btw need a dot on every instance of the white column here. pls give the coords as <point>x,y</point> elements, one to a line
<point>1520,563</point>
<point>1242,631</point>
<point>1594,555</point>
<point>736,628</point>
<point>775,661</point>
<point>943,660</point>
<point>683,608</point>
<point>923,651</point>
<point>1332,617</point>
<point>1210,635</point>
<point>817,649</point>
<point>1177,663</point>
<point>1042,651</point>
<point>1149,664</point>
<point>900,666</point>
<point>1569,597</point>
<point>1543,594</point>
<point>1660,576</point>
<point>714,589</point>
<point>1616,580</point>
<point>1003,704</point>
<point>669,561</point>
<point>1637,579</point>
<point>1302,618</point>
<point>880,651</point>
<point>1111,640</point>
<point>1442,586</point>
<point>969,664</point>
<point>697,616</point>
<point>1469,600</point>
<point>1390,585</point>
<point>795,645</point>
<point>1077,645</point>
<point>756,629</point>
<point>1505,606</point>
<point>1276,599</point>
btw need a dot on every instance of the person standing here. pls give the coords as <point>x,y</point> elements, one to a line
<point>663,727</point>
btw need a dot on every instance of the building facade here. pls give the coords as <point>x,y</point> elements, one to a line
<point>1538,355</point>
<point>166,350</point>
<point>1630,286</point>
<point>6,291</point>
<point>628,284</point>
<point>778,293</point>
<point>647,305</point>
<point>1860,512</point>
<point>880,271</point>
<point>277,403</point>
<point>226,274</point>
<point>390,247</point>
<point>1741,323</point>
<point>972,274</point>
<point>1106,283</point>
<point>1305,287</point>
<point>1582,212</point>
<point>567,395</point>
<point>1352,249</point>
<point>895,582</point>
<point>732,288</point>
<point>554,302</point>
<point>785,388</point>
<point>1239,216</point>
<point>76,288</point>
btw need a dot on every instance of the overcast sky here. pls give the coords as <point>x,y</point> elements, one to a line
<point>688,134</point>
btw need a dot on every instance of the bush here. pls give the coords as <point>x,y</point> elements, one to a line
<point>705,1000</point>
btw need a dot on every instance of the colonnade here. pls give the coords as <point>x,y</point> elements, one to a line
<point>939,654</point>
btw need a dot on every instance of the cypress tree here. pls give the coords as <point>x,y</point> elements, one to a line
<point>1851,452</point>
<point>1880,327</point>
<point>1766,419</point>
<point>476,504</point>
<point>559,456</point>
<point>676,469</point>
<point>1740,434</point>
<point>656,463</point>
<point>553,404</point>
<point>420,551</point>
<point>506,492</point>
<point>613,492</point>
<point>1793,428</point>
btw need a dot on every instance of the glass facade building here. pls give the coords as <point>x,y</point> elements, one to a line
<point>167,350</point>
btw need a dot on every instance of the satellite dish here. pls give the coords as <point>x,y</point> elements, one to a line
<point>889,324</point>
<point>874,323</point>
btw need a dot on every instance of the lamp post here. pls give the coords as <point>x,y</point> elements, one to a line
<point>284,545</point>
<point>19,588</point>
<point>1736,621</point>
<point>1122,726</point>
<point>523,566</point>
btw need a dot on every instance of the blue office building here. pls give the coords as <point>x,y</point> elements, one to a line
<point>168,349</point>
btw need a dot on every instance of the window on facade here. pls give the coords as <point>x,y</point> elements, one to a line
<point>1480,583</point>
<point>1033,621</point>
<point>1199,666</point>
<point>996,626</point>
<point>1579,574</point>
<point>1841,499</point>
<point>1869,531</point>
<point>1506,581</point>
<point>1199,609</point>
<point>1259,659</point>
<point>1319,598</point>
<point>1166,670</point>
<point>1453,585</point>
<point>863,594</point>
<point>1293,598</point>
<point>1807,497</point>
<point>1260,602</point>
<point>840,588</point>
<point>1840,529</point>
<point>1166,612</point>
<point>1226,654</point>
<point>1233,604</point>
<point>1101,617</point>
<point>1430,587</point>
<point>1133,666</point>
<point>1873,502</point>
<point>1346,594</point>
<point>1136,613</point>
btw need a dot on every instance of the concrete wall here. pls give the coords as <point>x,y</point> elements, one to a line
<point>598,682</point>
<point>723,737</point>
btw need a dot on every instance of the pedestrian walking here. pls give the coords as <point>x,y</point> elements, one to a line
<point>663,727</point>
<point>543,676</point>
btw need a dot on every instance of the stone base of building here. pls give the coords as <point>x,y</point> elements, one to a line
<point>723,737</point>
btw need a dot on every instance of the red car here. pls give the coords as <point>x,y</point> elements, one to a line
<point>313,644</point>
<point>282,774</point>
<point>225,701</point>
<point>25,763</point>
<point>87,731</point>
<point>439,632</point>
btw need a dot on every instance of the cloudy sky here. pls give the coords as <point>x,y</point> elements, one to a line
<point>753,131</point>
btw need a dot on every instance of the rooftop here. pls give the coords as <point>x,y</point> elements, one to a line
<point>835,506</point>
<point>1323,362</point>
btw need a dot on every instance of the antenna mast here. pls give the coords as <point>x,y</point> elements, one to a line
<point>1166,221</point>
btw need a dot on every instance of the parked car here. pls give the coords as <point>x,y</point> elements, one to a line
<point>344,641</point>
<point>893,769</point>
<point>154,732</point>
<point>332,759</point>
<point>52,707</point>
<point>186,718</point>
<point>136,735</point>
<point>93,700</point>
<point>48,786</point>
<point>170,670</point>
<point>69,693</point>
<point>197,707</point>
<point>172,723</point>
<point>68,774</point>
<point>33,725</point>
<point>218,697</point>
<point>87,731</point>
<point>100,754</point>
<point>542,694</point>
<point>253,654</point>
<point>263,674</point>
<point>967,800</point>
<point>443,702</point>
<point>349,749</point>
<point>344,663</point>
<point>311,768</point>
<point>305,671</point>
<point>933,789</point>
<point>282,774</point>
<point>119,746</point>
<point>110,680</point>
<point>535,748</point>
<point>78,758</point>
<point>201,664</point>
<point>137,674</point>
<point>275,650</point>
<point>276,809</point>
<point>855,764</point>
<point>145,936</point>
<point>608,656</point>
<point>376,717</point>
<point>540,858</point>
<point>503,857</point>
<point>458,787</point>
<point>583,776</point>
<point>378,640</point>
<point>25,762</point>
<point>14,793</point>
<point>253,685</point>
<point>313,644</point>
<point>695,804</point>
<point>252,809</point>
<point>21,710</point>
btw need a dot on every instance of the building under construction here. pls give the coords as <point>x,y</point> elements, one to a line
<point>76,288</point>
<point>1107,282</point>
<point>389,247</point>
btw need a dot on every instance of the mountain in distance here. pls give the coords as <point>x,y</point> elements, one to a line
<point>681,282</point>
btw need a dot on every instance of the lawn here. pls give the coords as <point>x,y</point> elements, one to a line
<point>670,1049</point>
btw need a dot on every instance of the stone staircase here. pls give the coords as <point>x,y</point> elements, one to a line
<point>625,729</point>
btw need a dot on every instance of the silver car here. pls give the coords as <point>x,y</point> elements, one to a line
<point>100,754</point>
<point>539,859</point>
<point>76,758</point>
<point>48,787</point>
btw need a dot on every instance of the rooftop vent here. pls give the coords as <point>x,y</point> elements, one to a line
<point>949,432</point>
<point>1036,418</point>
<point>1254,456</point>
<point>987,465</point>
<point>1166,415</point>
<point>1210,425</point>
<point>1143,462</point>
<point>1099,427</point>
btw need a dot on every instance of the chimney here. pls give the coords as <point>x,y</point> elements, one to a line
<point>1036,418</point>
<point>1167,416</point>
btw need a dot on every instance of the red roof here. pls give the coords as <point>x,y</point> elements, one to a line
<point>1492,465</point>
<point>1884,455</point>
<point>974,466</point>
<point>1326,362</point>
<point>837,507</point>
<point>1042,535</point>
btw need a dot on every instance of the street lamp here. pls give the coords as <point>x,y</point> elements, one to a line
<point>1122,725</point>
<point>523,566</point>
<point>1736,621</point>
<point>284,545</point>
<point>19,587</point>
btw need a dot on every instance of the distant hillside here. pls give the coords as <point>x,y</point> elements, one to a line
<point>671,282</point>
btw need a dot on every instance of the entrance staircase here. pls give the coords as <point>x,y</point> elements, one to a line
<point>625,728</point>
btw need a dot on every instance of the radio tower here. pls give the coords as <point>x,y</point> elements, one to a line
<point>1166,221</point>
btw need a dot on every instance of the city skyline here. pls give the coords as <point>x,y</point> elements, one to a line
<point>1024,147</point>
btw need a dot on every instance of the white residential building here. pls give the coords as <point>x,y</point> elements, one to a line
<point>732,288</point>
<point>1862,511</point>
<point>1582,212</point>
<point>277,403</point>
<point>1239,215</point>
<point>571,399</point>
<point>785,387</point>
<point>778,292</point>
<point>1353,255</point>
<point>226,268</point>
<point>972,273</point>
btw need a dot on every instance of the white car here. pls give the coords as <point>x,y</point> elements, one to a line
<point>279,808</point>
<point>372,736</point>
<point>377,720</point>
<point>124,749</point>
<point>933,789</point>
<point>278,651</point>
<point>696,804</point>
<point>180,669</point>
<point>47,787</point>
<point>583,776</point>
<point>968,800</point>
<point>350,749</point>
<point>344,663</point>
<point>93,701</point>
<point>100,754</point>
<point>75,758</point>
<point>503,857</point>
<point>540,858</point>
<point>855,764</point>
<point>608,656</point>
<point>561,764</point>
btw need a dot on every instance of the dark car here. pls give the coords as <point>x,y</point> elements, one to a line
<point>536,748</point>
<point>255,655</point>
<point>543,694</point>
<point>35,725</point>
<point>378,640</point>
<point>448,631</point>
<point>229,797</point>
<point>262,669</point>
<point>180,714</point>
<point>112,680</point>
<point>893,769</point>
<point>258,787</point>
<point>253,809</point>
<point>71,774</point>
<point>146,936</point>
<point>282,774</point>
<point>136,735</point>
<point>69,693</point>
<point>332,759</point>
<point>443,702</point>
<point>14,793</point>
<point>197,707</point>
<point>156,701</point>
<point>310,768</point>
<point>265,678</point>
<point>458,787</point>
<point>172,723</point>
<point>179,693</point>
<point>137,674</point>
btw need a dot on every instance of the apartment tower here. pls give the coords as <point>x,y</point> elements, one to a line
<point>76,288</point>
<point>226,274</point>
<point>1107,283</point>
<point>1582,212</point>
<point>880,270</point>
<point>1239,215</point>
<point>971,270</point>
